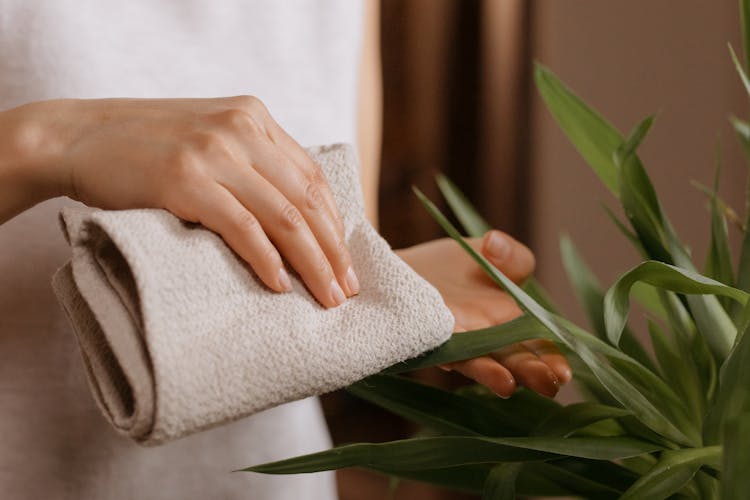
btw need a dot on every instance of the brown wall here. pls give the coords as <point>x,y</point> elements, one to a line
<point>630,59</point>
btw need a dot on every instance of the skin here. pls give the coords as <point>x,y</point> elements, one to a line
<point>477,302</point>
<point>225,163</point>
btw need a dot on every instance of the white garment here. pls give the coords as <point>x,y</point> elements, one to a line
<point>301,58</point>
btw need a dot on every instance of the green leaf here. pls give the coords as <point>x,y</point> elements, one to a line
<point>678,370</point>
<point>585,284</point>
<point>591,479</point>
<point>648,297</point>
<point>743,272</point>
<point>536,291</point>
<point>733,398</point>
<point>740,70</point>
<point>706,484</point>
<point>661,243</point>
<point>632,370</point>
<point>473,223</point>
<point>711,319</point>
<point>501,482</point>
<point>627,149</point>
<point>524,410</point>
<point>591,297</point>
<point>451,451</point>
<point>630,235</point>
<point>568,419</point>
<point>667,277</point>
<point>594,138</point>
<point>735,480</point>
<point>672,472</point>
<point>598,141</point>
<point>729,213</point>
<point>476,343</point>
<point>469,478</point>
<point>627,394</point>
<point>641,207</point>
<point>442,410</point>
<point>742,130</point>
<point>719,259</point>
<point>744,20</point>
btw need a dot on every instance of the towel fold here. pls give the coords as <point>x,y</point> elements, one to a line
<point>178,335</point>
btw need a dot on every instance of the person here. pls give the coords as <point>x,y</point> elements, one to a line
<point>191,139</point>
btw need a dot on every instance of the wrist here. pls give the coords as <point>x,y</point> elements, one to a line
<point>30,152</point>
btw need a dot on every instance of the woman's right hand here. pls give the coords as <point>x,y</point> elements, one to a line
<point>224,163</point>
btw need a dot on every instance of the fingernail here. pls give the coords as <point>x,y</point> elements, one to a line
<point>284,282</point>
<point>497,246</point>
<point>351,281</point>
<point>501,396</point>
<point>337,294</point>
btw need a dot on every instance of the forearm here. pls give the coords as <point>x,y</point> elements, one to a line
<point>370,111</point>
<point>27,176</point>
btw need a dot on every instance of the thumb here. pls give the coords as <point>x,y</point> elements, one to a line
<point>509,255</point>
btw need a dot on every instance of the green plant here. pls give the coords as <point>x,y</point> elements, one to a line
<point>673,424</point>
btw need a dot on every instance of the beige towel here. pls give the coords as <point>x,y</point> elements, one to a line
<point>178,335</point>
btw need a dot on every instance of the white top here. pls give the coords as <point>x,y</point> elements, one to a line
<point>301,58</point>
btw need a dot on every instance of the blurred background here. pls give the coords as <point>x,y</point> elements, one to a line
<point>459,99</point>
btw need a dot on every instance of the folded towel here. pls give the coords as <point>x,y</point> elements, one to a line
<point>178,335</point>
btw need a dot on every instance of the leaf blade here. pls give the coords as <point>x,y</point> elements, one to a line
<point>594,138</point>
<point>452,451</point>
<point>473,223</point>
<point>501,482</point>
<point>627,394</point>
<point>674,469</point>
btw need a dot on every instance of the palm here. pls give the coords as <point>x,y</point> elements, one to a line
<point>476,302</point>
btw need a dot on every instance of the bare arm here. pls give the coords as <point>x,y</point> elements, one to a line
<point>370,109</point>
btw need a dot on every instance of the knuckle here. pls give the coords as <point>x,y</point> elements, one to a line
<point>313,196</point>
<point>251,106</point>
<point>340,227</point>
<point>235,119</point>
<point>316,174</point>
<point>245,222</point>
<point>271,256</point>
<point>321,264</point>
<point>206,141</point>
<point>291,218</point>
<point>249,102</point>
<point>341,250</point>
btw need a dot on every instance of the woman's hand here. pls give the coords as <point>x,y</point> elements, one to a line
<point>476,302</point>
<point>222,162</point>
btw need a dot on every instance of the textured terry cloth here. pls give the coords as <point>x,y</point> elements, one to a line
<point>178,335</point>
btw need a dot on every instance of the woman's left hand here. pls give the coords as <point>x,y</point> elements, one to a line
<point>477,302</point>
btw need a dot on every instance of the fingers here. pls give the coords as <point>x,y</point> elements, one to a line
<point>551,355</point>
<point>302,160</point>
<point>536,364</point>
<point>489,373</point>
<point>511,257</point>
<point>289,197</point>
<point>306,194</point>
<point>528,369</point>
<point>216,208</point>
<point>285,226</point>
